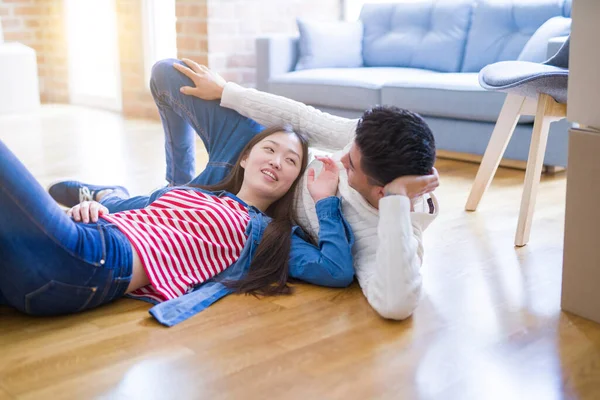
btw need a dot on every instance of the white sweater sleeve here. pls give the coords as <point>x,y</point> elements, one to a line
<point>393,283</point>
<point>324,131</point>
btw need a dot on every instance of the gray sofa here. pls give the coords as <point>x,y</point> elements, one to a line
<point>426,57</point>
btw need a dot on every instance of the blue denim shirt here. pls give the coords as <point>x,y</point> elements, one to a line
<point>329,264</point>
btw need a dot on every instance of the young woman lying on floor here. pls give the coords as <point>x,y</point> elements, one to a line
<point>181,248</point>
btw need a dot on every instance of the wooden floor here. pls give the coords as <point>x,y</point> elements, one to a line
<point>489,325</point>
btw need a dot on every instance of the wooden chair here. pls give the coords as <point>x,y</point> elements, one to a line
<point>533,89</point>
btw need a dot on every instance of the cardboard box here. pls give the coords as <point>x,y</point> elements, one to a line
<point>581,262</point>
<point>584,60</point>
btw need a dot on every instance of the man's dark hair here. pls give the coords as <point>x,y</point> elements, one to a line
<point>394,142</point>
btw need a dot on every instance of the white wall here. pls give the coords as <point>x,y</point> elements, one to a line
<point>94,72</point>
<point>160,34</point>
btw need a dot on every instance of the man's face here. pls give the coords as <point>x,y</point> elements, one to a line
<point>357,179</point>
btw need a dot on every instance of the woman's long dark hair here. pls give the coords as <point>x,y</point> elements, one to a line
<point>268,273</point>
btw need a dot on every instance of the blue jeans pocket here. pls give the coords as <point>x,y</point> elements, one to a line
<point>56,298</point>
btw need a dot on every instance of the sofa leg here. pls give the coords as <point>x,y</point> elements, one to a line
<point>505,126</point>
<point>548,111</point>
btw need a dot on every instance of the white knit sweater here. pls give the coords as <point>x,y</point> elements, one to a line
<point>388,251</point>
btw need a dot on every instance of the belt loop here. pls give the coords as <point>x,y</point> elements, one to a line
<point>103,239</point>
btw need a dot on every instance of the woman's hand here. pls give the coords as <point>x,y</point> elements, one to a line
<point>326,184</point>
<point>209,84</point>
<point>87,211</point>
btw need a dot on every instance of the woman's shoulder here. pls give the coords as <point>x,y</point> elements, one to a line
<point>168,189</point>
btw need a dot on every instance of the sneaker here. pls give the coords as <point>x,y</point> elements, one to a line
<point>71,193</point>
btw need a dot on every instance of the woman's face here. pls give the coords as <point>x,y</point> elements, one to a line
<point>273,165</point>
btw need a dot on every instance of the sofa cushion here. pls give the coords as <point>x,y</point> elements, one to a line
<point>349,88</point>
<point>428,34</point>
<point>450,95</point>
<point>500,29</point>
<point>317,39</point>
<point>536,48</point>
<point>567,8</point>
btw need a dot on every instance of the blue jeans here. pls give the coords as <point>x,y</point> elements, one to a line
<point>50,264</point>
<point>223,131</point>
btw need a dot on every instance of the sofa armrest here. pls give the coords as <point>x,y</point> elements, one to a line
<point>274,55</point>
<point>554,44</point>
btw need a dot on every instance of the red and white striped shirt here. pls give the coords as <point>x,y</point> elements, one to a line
<point>184,238</point>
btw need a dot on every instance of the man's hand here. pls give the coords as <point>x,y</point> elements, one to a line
<point>326,184</point>
<point>413,186</point>
<point>87,211</point>
<point>209,84</point>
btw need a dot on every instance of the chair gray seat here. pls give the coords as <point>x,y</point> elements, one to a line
<point>526,79</point>
<point>530,79</point>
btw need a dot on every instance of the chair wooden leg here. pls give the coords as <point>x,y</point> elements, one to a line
<point>505,126</point>
<point>547,111</point>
